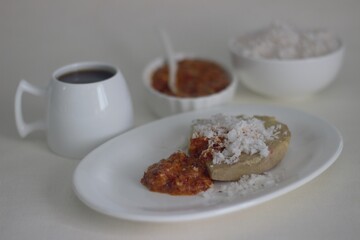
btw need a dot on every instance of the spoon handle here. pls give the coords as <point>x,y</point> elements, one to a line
<point>171,61</point>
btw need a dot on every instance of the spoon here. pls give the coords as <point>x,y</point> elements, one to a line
<point>171,61</point>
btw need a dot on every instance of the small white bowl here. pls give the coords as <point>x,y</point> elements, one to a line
<point>164,105</point>
<point>279,78</point>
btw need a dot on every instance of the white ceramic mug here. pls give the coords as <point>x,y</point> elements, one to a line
<point>79,116</point>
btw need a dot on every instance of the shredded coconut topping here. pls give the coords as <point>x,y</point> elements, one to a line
<point>235,135</point>
<point>245,185</point>
<point>283,41</point>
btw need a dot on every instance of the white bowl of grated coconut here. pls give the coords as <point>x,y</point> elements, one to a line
<point>282,61</point>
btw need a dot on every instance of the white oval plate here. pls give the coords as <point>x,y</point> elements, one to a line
<point>108,179</point>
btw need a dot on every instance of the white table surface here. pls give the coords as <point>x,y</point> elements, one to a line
<point>36,37</point>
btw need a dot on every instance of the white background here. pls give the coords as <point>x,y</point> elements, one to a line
<point>38,36</point>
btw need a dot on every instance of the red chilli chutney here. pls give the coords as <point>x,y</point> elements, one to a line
<point>194,78</point>
<point>177,175</point>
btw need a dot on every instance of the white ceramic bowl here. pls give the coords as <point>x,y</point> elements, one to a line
<point>296,78</point>
<point>164,105</point>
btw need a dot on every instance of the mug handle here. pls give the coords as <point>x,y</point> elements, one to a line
<point>25,128</point>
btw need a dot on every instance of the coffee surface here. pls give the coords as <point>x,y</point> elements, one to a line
<point>86,76</point>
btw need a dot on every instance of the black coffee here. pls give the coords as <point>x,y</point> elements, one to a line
<point>86,76</point>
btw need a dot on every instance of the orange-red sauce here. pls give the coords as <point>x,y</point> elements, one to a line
<point>194,78</point>
<point>177,175</point>
<point>199,148</point>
